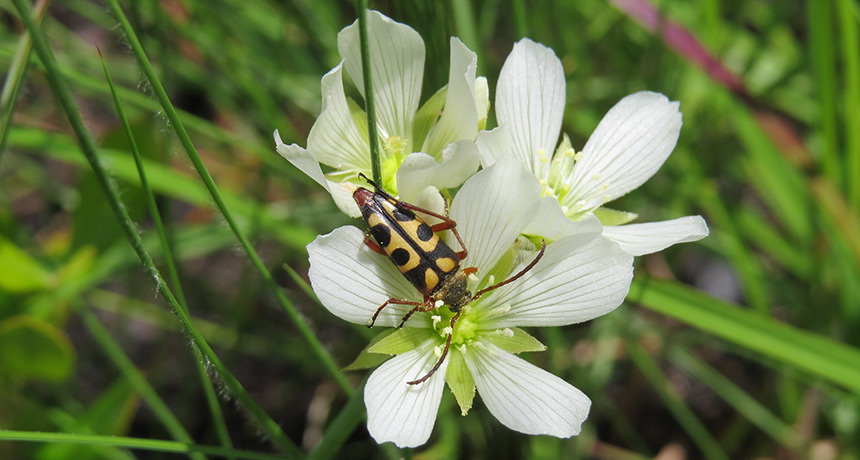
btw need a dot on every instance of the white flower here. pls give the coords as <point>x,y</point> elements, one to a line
<point>579,277</point>
<point>339,137</point>
<point>628,147</point>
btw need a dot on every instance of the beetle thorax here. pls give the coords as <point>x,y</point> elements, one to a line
<point>454,291</point>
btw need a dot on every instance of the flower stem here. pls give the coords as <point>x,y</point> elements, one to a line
<point>361,11</point>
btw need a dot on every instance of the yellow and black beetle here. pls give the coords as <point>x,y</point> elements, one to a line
<point>421,256</point>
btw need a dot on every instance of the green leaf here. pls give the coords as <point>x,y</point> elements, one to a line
<point>816,354</point>
<point>21,273</point>
<point>514,340</point>
<point>609,216</point>
<point>366,359</point>
<point>33,349</point>
<point>460,381</point>
<point>402,340</point>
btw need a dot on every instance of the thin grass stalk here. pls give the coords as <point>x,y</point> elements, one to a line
<point>88,148</point>
<point>15,75</point>
<point>689,422</point>
<point>369,105</point>
<point>173,117</point>
<point>209,391</point>
<point>130,372</point>
<point>743,403</point>
<point>824,65</point>
<point>153,445</point>
<point>850,42</point>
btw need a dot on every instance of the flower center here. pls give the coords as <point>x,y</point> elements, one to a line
<point>464,329</point>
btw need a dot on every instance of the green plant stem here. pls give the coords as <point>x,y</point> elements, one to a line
<point>155,445</point>
<point>171,114</point>
<point>211,398</point>
<point>130,371</point>
<point>88,148</point>
<point>15,75</point>
<point>369,105</point>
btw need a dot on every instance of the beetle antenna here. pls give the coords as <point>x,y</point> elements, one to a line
<point>517,276</point>
<point>379,189</point>
<point>441,358</point>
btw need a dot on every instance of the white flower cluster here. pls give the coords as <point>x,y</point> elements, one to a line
<point>529,188</point>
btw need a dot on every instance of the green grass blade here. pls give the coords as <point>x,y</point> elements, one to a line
<point>818,355</point>
<point>746,405</point>
<point>130,371</point>
<point>63,95</point>
<point>15,75</point>
<point>154,445</point>
<point>211,399</point>
<point>688,420</point>
<point>850,42</point>
<point>171,114</point>
<point>824,65</point>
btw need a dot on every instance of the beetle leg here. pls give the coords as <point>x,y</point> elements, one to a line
<point>372,245</point>
<point>441,358</point>
<point>515,277</point>
<point>393,301</point>
<point>428,305</point>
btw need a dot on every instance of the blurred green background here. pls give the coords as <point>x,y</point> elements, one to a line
<point>743,345</point>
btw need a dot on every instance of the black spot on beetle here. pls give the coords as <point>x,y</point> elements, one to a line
<point>404,215</point>
<point>381,234</point>
<point>424,232</point>
<point>400,256</point>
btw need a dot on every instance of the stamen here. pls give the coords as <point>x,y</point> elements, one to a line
<point>447,331</point>
<point>541,153</point>
<point>439,303</point>
<point>438,351</point>
<point>472,278</point>
<point>436,319</point>
<point>507,332</point>
<point>595,177</point>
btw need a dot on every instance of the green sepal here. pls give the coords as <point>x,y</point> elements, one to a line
<point>402,340</point>
<point>515,341</point>
<point>609,216</point>
<point>366,359</point>
<point>460,381</point>
<point>427,116</point>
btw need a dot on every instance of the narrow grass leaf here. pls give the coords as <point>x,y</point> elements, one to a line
<point>818,355</point>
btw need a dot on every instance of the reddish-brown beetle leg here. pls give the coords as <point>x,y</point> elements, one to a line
<point>372,245</point>
<point>391,301</point>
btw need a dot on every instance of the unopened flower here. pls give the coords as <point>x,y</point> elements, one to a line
<point>579,277</point>
<point>418,148</point>
<point>628,147</point>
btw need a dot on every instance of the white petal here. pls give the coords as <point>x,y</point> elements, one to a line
<point>524,397</point>
<point>629,145</point>
<point>352,281</point>
<point>397,66</point>
<point>579,278</point>
<point>302,159</point>
<point>494,144</point>
<point>459,118</point>
<point>334,138</point>
<point>341,193</point>
<point>401,413</point>
<point>492,209</point>
<point>647,238</point>
<point>551,223</point>
<point>418,170</point>
<point>530,101</point>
